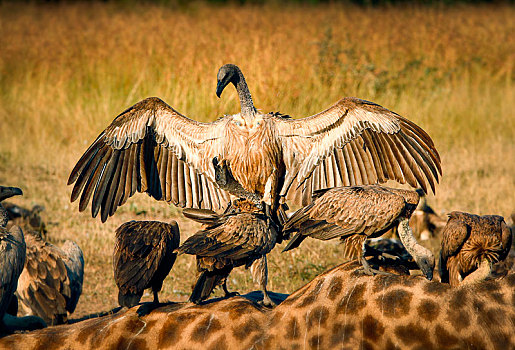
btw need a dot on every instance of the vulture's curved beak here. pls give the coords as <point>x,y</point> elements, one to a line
<point>427,269</point>
<point>429,274</point>
<point>8,192</point>
<point>220,86</point>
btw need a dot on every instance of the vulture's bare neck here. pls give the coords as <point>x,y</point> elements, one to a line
<point>408,240</point>
<point>227,182</point>
<point>4,216</point>
<point>247,106</point>
<point>481,274</point>
<point>422,256</point>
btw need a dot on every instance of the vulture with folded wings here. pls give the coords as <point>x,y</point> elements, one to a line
<point>51,282</point>
<point>471,244</point>
<point>355,214</point>
<point>153,148</point>
<point>143,257</point>
<point>12,253</point>
<point>242,236</point>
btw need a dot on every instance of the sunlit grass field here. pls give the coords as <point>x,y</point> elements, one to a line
<point>67,70</point>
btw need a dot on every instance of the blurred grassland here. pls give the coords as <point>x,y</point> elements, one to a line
<point>67,70</point>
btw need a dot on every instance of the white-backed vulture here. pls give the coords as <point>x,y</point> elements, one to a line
<point>471,244</point>
<point>143,257</point>
<point>152,148</point>
<point>12,253</point>
<point>356,213</point>
<point>51,282</point>
<point>242,236</point>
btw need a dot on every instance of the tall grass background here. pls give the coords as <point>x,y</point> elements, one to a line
<point>66,70</point>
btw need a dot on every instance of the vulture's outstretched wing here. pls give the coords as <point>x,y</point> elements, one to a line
<point>355,142</point>
<point>154,149</point>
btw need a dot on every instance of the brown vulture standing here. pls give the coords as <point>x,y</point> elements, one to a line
<point>51,282</point>
<point>471,244</point>
<point>356,213</point>
<point>152,148</point>
<point>12,253</point>
<point>143,257</point>
<point>242,236</point>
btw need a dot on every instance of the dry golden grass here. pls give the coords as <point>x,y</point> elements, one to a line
<point>67,70</point>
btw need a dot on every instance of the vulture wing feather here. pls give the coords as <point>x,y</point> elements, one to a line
<point>370,137</point>
<point>132,154</point>
<point>347,210</point>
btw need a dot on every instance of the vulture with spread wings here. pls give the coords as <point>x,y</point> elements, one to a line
<point>153,148</point>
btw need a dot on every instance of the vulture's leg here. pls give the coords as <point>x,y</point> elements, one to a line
<point>366,267</point>
<point>259,272</point>
<point>156,298</point>
<point>227,293</point>
<point>147,308</point>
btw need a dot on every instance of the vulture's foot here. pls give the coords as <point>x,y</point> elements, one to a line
<point>227,293</point>
<point>231,294</point>
<point>195,301</point>
<point>367,270</point>
<point>147,308</point>
<point>267,301</point>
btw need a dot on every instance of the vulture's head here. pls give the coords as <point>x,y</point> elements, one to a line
<point>223,175</point>
<point>228,73</point>
<point>426,262</point>
<point>8,192</point>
